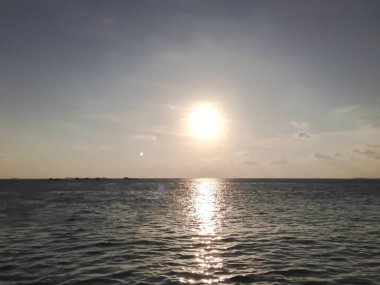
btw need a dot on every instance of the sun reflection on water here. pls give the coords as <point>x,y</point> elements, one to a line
<point>205,217</point>
<point>205,206</point>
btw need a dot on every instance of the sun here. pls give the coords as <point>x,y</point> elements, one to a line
<point>205,122</point>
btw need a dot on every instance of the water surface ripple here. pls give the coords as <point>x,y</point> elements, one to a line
<point>190,231</point>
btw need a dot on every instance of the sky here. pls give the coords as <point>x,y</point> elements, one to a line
<point>107,88</point>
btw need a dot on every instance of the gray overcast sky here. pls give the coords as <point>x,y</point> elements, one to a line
<point>86,86</point>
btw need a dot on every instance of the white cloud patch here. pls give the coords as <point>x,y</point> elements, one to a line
<point>299,125</point>
<point>322,156</point>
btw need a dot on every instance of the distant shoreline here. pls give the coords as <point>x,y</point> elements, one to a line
<point>155,178</point>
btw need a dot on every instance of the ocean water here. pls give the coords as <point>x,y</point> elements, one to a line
<point>190,231</point>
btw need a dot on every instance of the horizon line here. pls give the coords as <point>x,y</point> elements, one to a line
<point>141,178</point>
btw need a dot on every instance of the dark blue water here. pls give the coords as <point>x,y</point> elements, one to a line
<point>199,231</point>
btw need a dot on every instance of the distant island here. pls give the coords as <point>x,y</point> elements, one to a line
<point>89,178</point>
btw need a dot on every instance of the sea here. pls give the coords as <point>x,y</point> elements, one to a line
<point>190,231</point>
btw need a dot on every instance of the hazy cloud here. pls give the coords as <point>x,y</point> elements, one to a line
<point>279,161</point>
<point>169,106</point>
<point>85,147</point>
<point>242,153</point>
<point>299,125</point>
<point>374,125</point>
<point>243,158</point>
<point>212,159</point>
<point>367,152</point>
<point>145,137</point>
<point>322,156</point>
<point>346,109</point>
<point>106,117</point>
<point>303,135</point>
<point>250,162</point>
<point>373,145</point>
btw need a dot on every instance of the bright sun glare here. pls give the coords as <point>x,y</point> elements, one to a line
<point>205,122</point>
